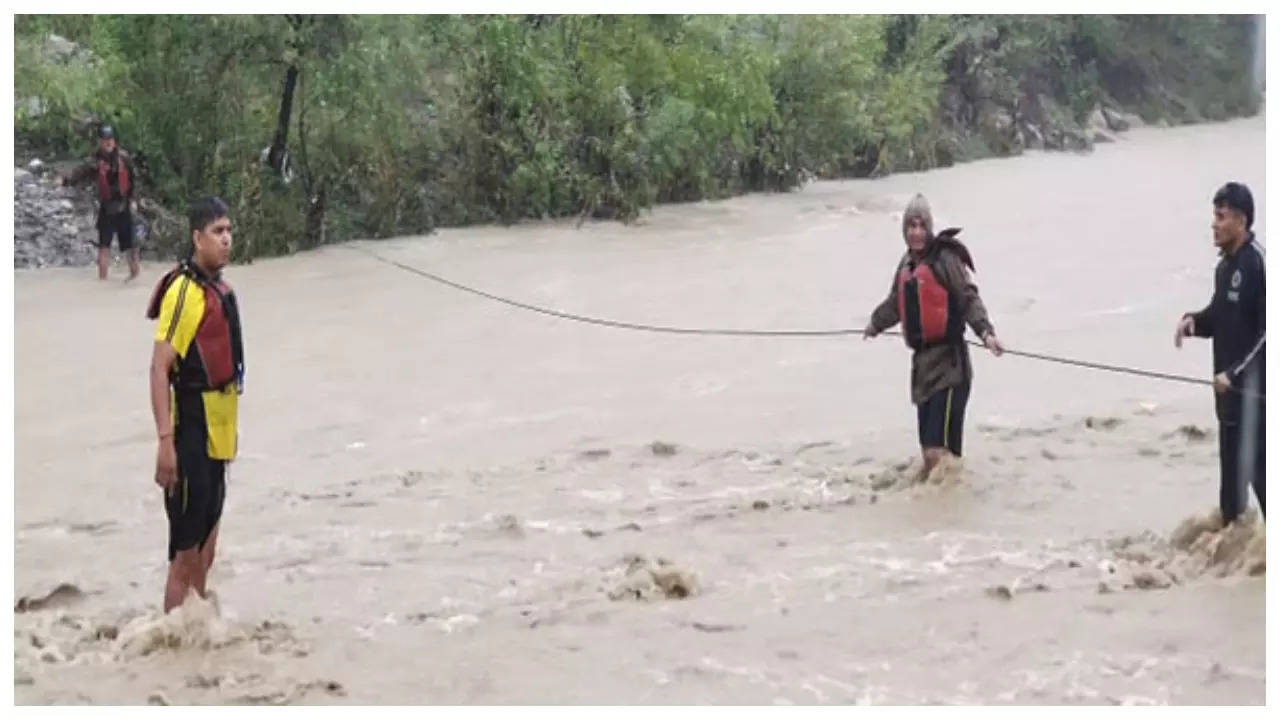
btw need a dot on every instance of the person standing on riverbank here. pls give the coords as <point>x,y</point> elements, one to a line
<point>113,170</point>
<point>1236,319</point>
<point>933,297</point>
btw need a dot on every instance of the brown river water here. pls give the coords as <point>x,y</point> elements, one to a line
<point>441,499</point>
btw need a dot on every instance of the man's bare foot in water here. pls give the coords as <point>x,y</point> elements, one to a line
<point>133,264</point>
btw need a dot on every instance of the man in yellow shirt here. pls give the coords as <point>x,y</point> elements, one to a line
<point>197,375</point>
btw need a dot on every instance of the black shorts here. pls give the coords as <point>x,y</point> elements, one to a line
<point>941,419</point>
<point>194,503</point>
<point>120,226</point>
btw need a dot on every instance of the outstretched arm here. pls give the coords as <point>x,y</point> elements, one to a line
<point>885,315</point>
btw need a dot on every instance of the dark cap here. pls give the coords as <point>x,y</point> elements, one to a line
<point>106,132</point>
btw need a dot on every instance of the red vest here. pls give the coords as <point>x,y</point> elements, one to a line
<point>930,313</point>
<point>104,182</point>
<point>216,357</point>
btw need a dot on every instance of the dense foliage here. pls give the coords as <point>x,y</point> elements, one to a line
<point>395,125</point>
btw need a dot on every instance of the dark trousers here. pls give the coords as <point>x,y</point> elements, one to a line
<point>1242,452</point>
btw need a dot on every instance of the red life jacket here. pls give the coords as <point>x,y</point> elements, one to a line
<point>216,356</point>
<point>930,313</point>
<point>104,180</point>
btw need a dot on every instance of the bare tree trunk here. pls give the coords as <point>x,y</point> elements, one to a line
<point>280,144</point>
<point>313,232</point>
<point>275,158</point>
<point>317,190</point>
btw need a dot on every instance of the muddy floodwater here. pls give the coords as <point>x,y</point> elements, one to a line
<point>442,499</point>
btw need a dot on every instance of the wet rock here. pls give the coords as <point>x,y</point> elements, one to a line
<point>63,595</point>
<point>662,449</point>
<point>1007,591</point>
<point>1193,433</point>
<point>49,229</point>
<point>93,528</point>
<point>1102,423</point>
<point>813,446</point>
<point>509,525</point>
<point>674,583</point>
<point>291,694</point>
<point>883,482</point>
<point>625,527</point>
<point>333,687</point>
<point>1099,128</point>
<point>61,49</point>
<point>1002,592</point>
<point>645,579</point>
<point>715,627</point>
<point>1218,673</point>
<point>1032,137</point>
<point>995,123</point>
<point>1151,579</point>
<point>204,682</point>
<point>1113,576</point>
<point>1118,120</point>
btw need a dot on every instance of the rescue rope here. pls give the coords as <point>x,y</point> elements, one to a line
<point>621,325</point>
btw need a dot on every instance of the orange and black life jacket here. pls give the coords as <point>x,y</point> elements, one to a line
<point>215,359</point>
<point>931,314</point>
<point>104,178</point>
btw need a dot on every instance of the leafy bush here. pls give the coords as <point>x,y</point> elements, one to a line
<point>400,124</point>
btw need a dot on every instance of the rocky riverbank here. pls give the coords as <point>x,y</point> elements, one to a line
<point>54,226</point>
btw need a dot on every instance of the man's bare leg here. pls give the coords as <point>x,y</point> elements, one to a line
<point>133,263</point>
<point>181,573</point>
<point>104,259</point>
<point>932,456</point>
<point>206,561</point>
